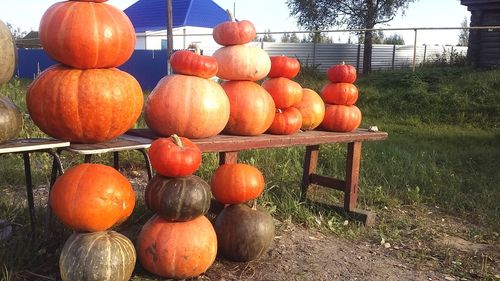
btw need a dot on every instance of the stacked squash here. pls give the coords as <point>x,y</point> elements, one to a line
<point>178,241</point>
<point>85,99</point>
<point>188,103</point>
<point>251,106</point>
<point>340,95</point>
<point>244,233</point>
<point>91,199</point>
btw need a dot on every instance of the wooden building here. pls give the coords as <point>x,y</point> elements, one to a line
<point>484,44</point>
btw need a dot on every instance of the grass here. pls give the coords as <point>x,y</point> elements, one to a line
<point>442,155</point>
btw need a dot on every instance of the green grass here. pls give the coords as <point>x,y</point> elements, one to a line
<point>443,150</point>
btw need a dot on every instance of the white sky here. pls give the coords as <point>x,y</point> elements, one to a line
<point>274,15</point>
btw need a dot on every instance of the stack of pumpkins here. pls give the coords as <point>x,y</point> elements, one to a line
<point>10,118</point>
<point>251,106</point>
<point>244,233</point>
<point>178,241</point>
<point>85,99</point>
<point>340,95</point>
<point>90,199</point>
<point>285,93</point>
<point>188,103</point>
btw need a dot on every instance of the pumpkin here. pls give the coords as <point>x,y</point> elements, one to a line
<point>234,32</point>
<point>283,66</point>
<point>236,183</point>
<point>312,109</point>
<point>178,199</point>
<point>341,73</point>
<point>188,106</point>
<point>11,120</point>
<point>175,156</point>
<point>177,249</point>
<point>97,256</point>
<point>189,63</point>
<point>243,233</point>
<point>252,108</point>
<point>340,93</point>
<point>286,121</point>
<point>84,106</point>
<point>97,1</point>
<point>8,54</point>
<point>341,118</point>
<point>284,91</point>
<point>92,197</point>
<point>87,34</point>
<point>240,62</point>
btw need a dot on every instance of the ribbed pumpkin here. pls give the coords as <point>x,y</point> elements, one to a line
<point>243,233</point>
<point>84,106</point>
<point>340,93</point>
<point>87,34</point>
<point>8,54</point>
<point>312,109</point>
<point>283,66</point>
<point>236,183</point>
<point>285,92</point>
<point>341,118</point>
<point>190,63</point>
<point>92,197</point>
<point>177,249</point>
<point>341,73</point>
<point>97,256</point>
<point>188,106</point>
<point>234,32</point>
<point>252,108</point>
<point>11,120</point>
<point>286,121</point>
<point>241,62</point>
<point>174,156</point>
<point>178,199</point>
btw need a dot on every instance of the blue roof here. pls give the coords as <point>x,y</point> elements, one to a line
<point>151,15</point>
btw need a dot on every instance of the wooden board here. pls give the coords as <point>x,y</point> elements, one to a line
<point>34,144</point>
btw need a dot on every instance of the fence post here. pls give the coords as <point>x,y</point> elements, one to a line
<point>393,55</point>
<point>451,56</point>
<point>314,53</point>
<point>357,57</point>
<point>415,50</point>
<point>425,53</point>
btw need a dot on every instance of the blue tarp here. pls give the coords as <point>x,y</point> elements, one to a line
<point>151,15</point>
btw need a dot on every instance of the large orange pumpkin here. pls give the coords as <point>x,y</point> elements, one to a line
<point>84,106</point>
<point>87,34</point>
<point>241,62</point>
<point>177,249</point>
<point>341,118</point>
<point>285,92</point>
<point>188,106</point>
<point>340,93</point>
<point>252,108</point>
<point>236,183</point>
<point>92,197</point>
<point>312,109</point>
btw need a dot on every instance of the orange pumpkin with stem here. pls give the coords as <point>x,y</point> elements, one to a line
<point>234,32</point>
<point>341,118</point>
<point>340,93</point>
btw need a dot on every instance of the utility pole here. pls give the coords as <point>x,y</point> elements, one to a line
<point>170,39</point>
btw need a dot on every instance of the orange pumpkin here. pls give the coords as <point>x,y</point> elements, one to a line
<point>286,121</point>
<point>341,118</point>
<point>234,33</point>
<point>283,66</point>
<point>312,109</point>
<point>340,93</point>
<point>189,63</point>
<point>84,106</point>
<point>284,91</point>
<point>240,62</point>
<point>252,108</point>
<point>188,106</point>
<point>236,183</point>
<point>87,34</point>
<point>92,197</point>
<point>341,73</point>
<point>177,249</point>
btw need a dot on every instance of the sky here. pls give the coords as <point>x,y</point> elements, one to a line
<point>274,15</point>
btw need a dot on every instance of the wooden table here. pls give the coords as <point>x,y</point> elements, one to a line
<point>27,146</point>
<point>228,147</point>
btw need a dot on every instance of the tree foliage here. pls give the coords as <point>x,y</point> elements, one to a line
<point>290,38</point>
<point>463,36</point>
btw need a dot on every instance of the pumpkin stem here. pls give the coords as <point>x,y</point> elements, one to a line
<point>230,15</point>
<point>177,140</point>
<point>197,49</point>
<point>254,204</point>
<point>278,110</point>
<point>343,62</point>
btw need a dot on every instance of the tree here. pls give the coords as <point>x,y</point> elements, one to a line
<point>463,36</point>
<point>394,39</point>
<point>289,38</point>
<point>17,33</point>
<point>319,14</point>
<point>267,37</point>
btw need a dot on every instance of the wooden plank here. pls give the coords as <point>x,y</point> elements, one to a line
<point>328,182</point>
<point>310,163</point>
<point>29,145</point>
<point>122,143</point>
<point>363,216</point>
<point>352,175</point>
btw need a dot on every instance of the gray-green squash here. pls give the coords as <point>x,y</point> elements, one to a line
<point>11,120</point>
<point>8,54</point>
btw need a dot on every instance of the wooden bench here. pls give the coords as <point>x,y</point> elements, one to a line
<point>228,147</point>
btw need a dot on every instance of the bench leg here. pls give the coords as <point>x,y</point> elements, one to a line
<point>87,158</point>
<point>149,169</point>
<point>57,170</point>
<point>352,175</point>
<point>116,160</point>
<point>310,163</point>
<point>228,157</point>
<point>29,191</point>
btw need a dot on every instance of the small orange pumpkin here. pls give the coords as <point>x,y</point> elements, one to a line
<point>340,93</point>
<point>286,121</point>
<point>236,183</point>
<point>285,92</point>
<point>234,32</point>
<point>341,73</point>
<point>312,109</point>
<point>189,63</point>
<point>341,118</point>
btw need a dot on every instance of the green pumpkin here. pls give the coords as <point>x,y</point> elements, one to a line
<point>97,256</point>
<point>11,120</point>
<point>178,199</point>
<point>243,233</point>
<point>8,54</point>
